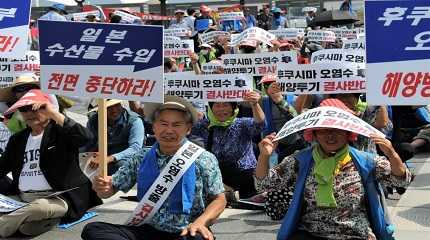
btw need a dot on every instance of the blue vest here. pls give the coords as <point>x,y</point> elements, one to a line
<point>379,221</point>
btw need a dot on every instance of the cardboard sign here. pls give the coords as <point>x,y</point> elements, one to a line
<point>228,16</point>
<point>257,64</point>
<point>208,88</point>
<point>398,52</point>
<point>253,33</point>
<point>327,78</point>
<point>210,37</point>
<point>321,36</point>
<point>14,30</point>
<point>177,32</point>
<point>327,117</point>
<point>340,55</point>
<point>288,33</point>
<point>10,69</point>
<point>181,48</point>
<point>102,60</point>
<point>354,44</point>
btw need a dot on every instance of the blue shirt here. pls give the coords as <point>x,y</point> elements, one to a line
<point>208,183</point>
<point>125,136</point>
<point>279,23</point>
<point>53,16</point>
<point>232,145</point>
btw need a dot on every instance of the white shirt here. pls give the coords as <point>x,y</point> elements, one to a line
<point>31,177</point>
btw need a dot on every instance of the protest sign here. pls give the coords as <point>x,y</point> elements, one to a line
<point>212,68</point>
<point>14,30</point>
<point>253,33</point>
<point>345,33</point>
<point>321,36</point>
<point>177,32</point>
<point>340,55</point>
<point>8,204</point>
<point>10,69</point>
<point>326,78</point>
<point>354,44</point>
<point>208,88</point>
<point>153,17</point>
<point>102,60</point>
<point>127,17</point>
<point>398,47</point>
<point>210,37</point>
<point>181,48</point>
<point>228,16</point>
<point>81,16</point>
<point>327,117</point>
<point>288,33</point>
<point>257,64</point>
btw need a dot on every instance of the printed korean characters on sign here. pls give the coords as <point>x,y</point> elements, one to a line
<point>327,117</point>
<point>102,60</point>
<point>257,64</point>
<point>287,33</point>
<point>321,36</point>
<point>340,55</point>
<point>14,30</point>
<point>345,33</point>
<point>398,51</point>
<point>81,16</point>
<point>213,67</point>
<point>354,44</point>
<point>10,69</point>
<point>210,37</point>
<point>322,78</point>
<point>212,88</point>
<point>181,48</point>
<point>127,17</point>
<point>177,32</point>
<point>253,33</point>
<point>227,16</point>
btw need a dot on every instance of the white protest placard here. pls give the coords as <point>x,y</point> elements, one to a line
<point>340,55</point>
<point>177,32</point>
<point>227,16</point>
<point>170,38</point>
<point>127,17</point>
<point>345,33</point>
<point>14,30</point>
<point>257,64</point>
<point>110,62</point>
<point>322,78</point>
<point>208,88</point>
<point>181,48</point>
<point>212,68</point>
<point>209,37</point>
<point>354,44</point>
<point>254,33</point>
<point>81,16</point>
<point>327,117</point>
<point>287,33</point>
<point>321,36</point>
<point>8,204</point>
<point>10,69</point>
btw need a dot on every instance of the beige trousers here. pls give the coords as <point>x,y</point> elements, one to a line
<point>39,216</point>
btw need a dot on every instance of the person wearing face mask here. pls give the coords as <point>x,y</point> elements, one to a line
<point>207,53</point>
<point>125,135</point>
<point>278,21</point>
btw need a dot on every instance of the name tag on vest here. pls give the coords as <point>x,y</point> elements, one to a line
<point>167,180</point>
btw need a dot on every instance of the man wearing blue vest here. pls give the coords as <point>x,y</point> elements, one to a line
<point>179,184</point>
<point>337,192</point>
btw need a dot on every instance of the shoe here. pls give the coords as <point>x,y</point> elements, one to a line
<point>38,227</point>
<point>400,190</point>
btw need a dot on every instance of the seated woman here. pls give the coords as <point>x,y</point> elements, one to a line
<point>334,197</point>
<point>230,139</point>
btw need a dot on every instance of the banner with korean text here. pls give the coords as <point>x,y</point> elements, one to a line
<point>398,52</point>
<point>210,37</point>
<point>321,78</point>
<point>327,117</point>
<point>178,48</point>
<point>257,64</point>
<point>208,88</point>
<point>10,69</point>
<point>288,33</point>
<point>177,32</point>
<point>340,55</point>
<point>321,36</point>
<point>102,60</point>
<point>14,28</point>
<point>254,33</point>
<point>354,44</point>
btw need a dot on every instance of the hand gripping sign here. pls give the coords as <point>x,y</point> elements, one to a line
<point>327,117</point>
<point>398,68</point>
<point>14,30</point>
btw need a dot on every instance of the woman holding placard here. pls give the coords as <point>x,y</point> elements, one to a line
<point>336,187</point>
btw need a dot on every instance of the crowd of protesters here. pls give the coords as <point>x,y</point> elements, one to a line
<point>318,181</point>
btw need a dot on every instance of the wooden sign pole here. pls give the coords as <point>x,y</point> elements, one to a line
<point>102,111</point>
